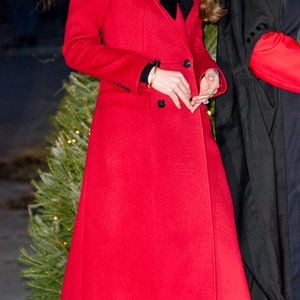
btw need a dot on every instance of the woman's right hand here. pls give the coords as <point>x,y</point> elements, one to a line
<point>172,84</point>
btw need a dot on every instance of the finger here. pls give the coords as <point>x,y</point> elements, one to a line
<point>207,90</point>
<point>185,83</point>
<point>214,85</point>
<point>175,99</point>
<point>201,102</point>
<point>199,99</point>
<point>187,103</point>
<point>213,91</point>
<point>211,75</point>
<point>183,97</point>
<point>177,83</point>
<point>184,90</point>
<point>208,93</point>
<point>195,107</point>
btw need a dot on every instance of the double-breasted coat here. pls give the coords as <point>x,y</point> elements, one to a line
<point>155,218</point>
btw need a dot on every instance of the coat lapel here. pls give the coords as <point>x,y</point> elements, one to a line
<point>170,6</point>
<point>177,25</point>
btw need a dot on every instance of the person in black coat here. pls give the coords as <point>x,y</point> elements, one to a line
<point>258,131</point>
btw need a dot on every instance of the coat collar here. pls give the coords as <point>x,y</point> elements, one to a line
<point>171,6</point>
<point>179,25</point>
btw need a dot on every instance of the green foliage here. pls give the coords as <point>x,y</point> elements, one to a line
<point>58,190</point>
<point>210,38</point>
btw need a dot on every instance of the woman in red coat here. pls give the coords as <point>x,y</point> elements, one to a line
<point>155,219</point>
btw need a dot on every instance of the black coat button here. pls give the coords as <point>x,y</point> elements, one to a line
<point>161,103</point>
<point>187,63</point>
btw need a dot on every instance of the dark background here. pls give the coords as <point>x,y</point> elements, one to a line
<point>32,71</point>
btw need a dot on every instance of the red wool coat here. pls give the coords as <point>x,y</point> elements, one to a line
<point>155,219</point>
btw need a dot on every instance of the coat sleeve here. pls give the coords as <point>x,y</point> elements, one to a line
<point>276,60</point>
<point>202,59</point>
<point>84,52</point>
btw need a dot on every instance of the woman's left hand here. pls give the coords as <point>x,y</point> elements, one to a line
<point>209,86</point>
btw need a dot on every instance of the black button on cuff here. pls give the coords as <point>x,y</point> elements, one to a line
<point>161,103</point>
<point>187,63</point>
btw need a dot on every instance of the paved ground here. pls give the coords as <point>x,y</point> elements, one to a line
<point>30,91</point>
<point>13,236</point>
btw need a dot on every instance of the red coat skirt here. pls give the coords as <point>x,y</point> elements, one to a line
<point>155,218</point>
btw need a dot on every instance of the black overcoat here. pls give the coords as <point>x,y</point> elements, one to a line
<point>249,127</point>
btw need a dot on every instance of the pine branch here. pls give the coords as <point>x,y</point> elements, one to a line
<point>57,192</point>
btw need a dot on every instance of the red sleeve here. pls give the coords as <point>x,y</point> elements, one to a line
<point>202,59</point>
<point>276,60</point>
<point>83,52</point>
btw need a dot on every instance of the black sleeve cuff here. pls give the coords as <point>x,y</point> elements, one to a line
<point>145,73</point>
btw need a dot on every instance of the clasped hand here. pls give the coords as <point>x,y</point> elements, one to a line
<point>175,85</point>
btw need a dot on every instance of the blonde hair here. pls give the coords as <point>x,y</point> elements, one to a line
<point>211,11</point>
